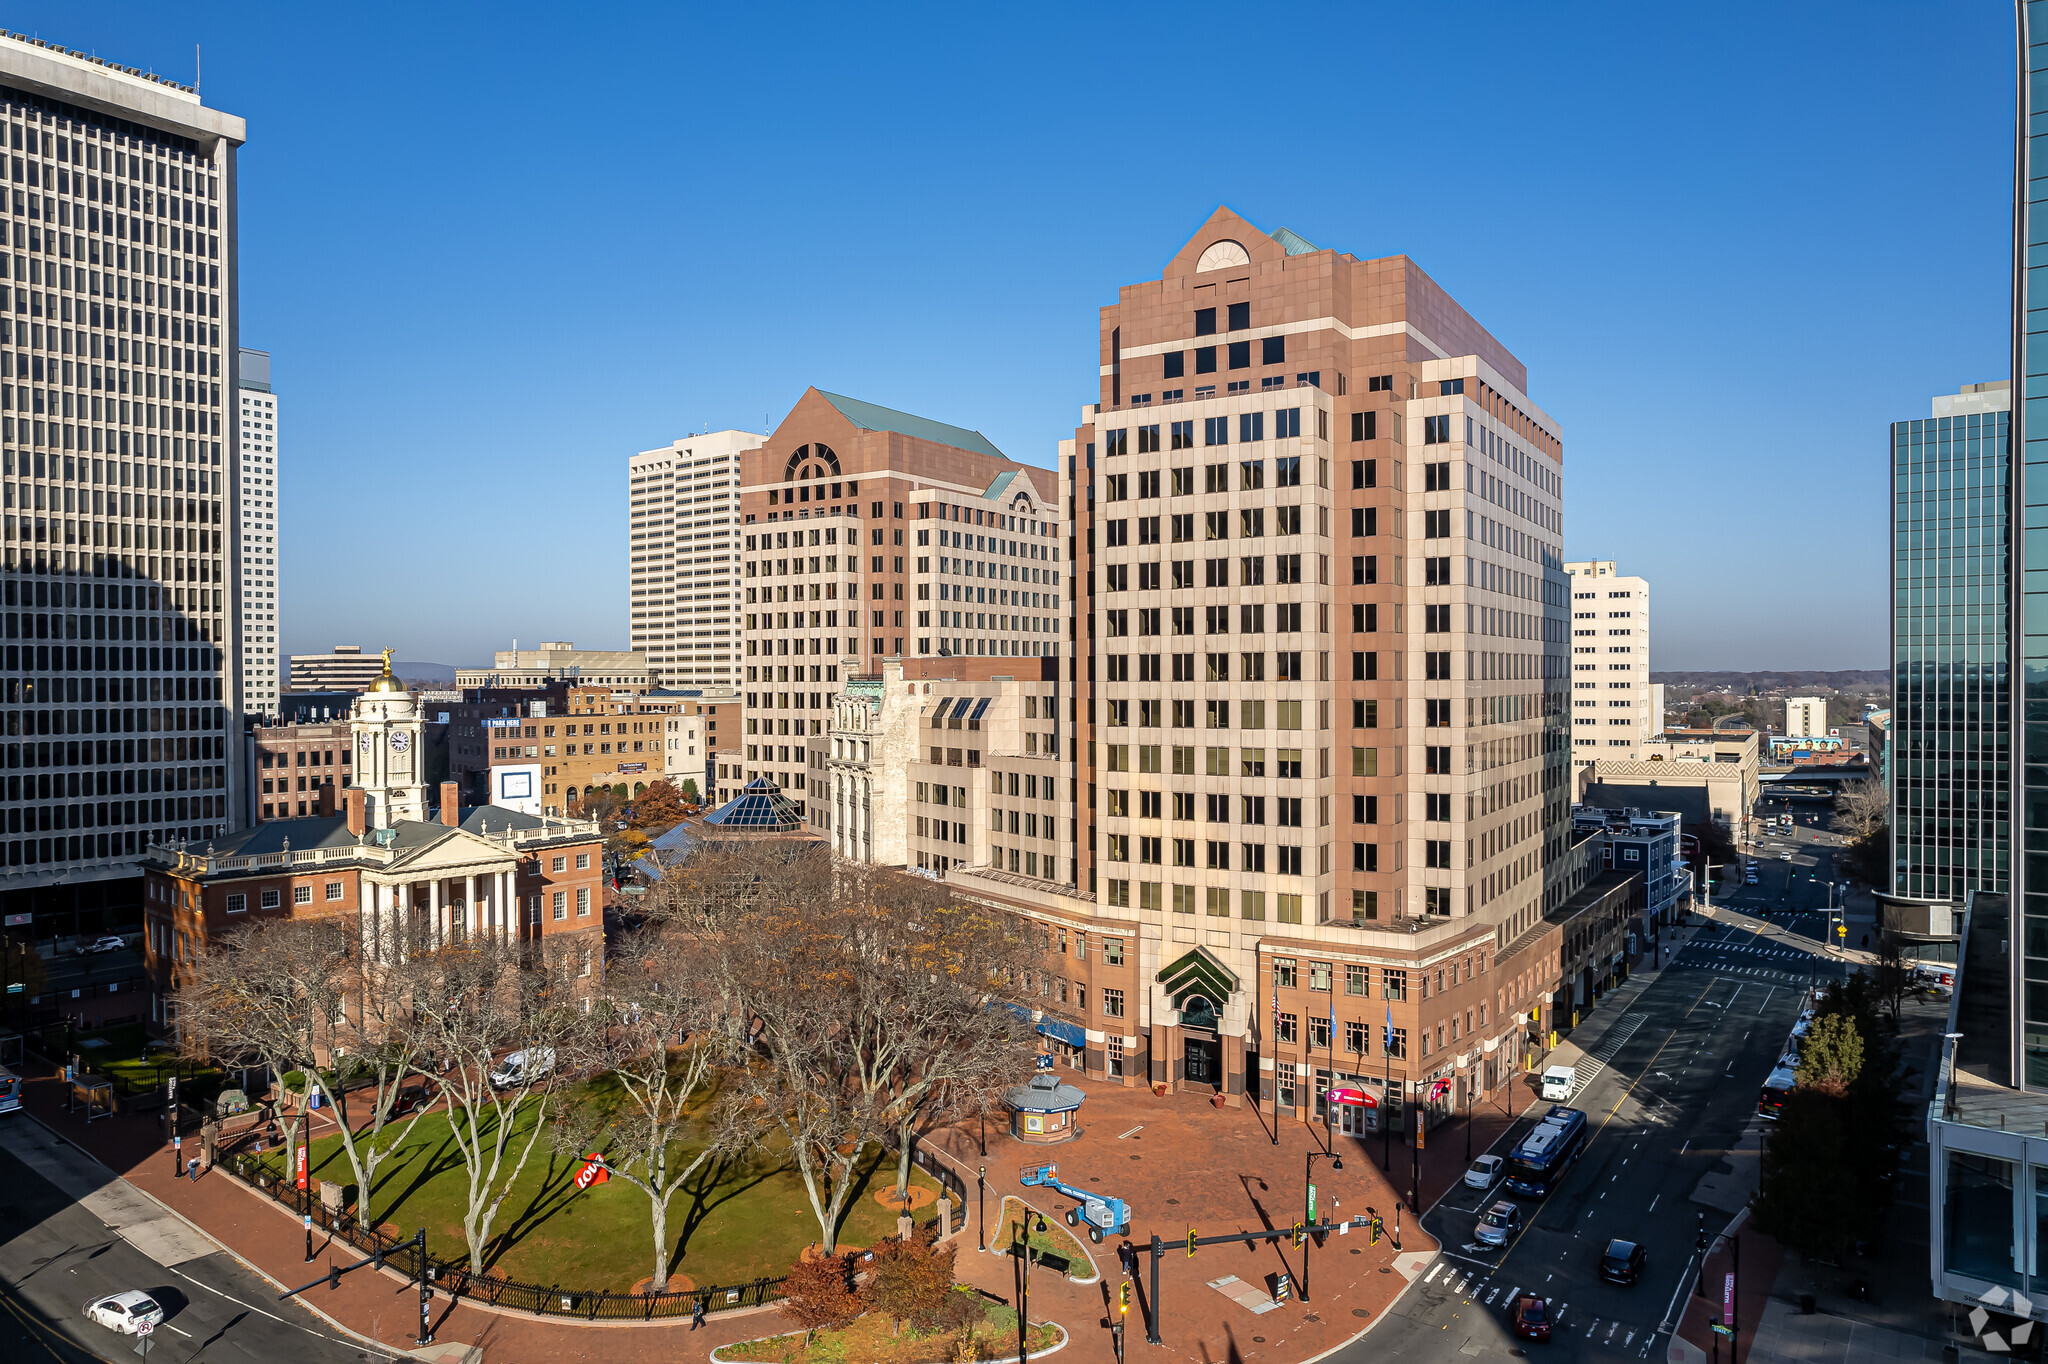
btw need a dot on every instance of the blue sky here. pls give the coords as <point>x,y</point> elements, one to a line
<point>495,250</point>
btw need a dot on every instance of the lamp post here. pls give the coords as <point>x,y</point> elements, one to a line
<point>981,1208</point>
<point>1024,1297</point>
<point>1308,1207</point>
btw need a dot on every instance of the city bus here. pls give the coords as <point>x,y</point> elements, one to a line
<point>1539,1163</point>
<point>1770,1100</point>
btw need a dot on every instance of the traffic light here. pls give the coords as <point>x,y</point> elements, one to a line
<point>333,1276</point>
<point>1123,1299</point>
<point>1378,1229</point>
<point>1191,1243</point>
<point>1298,1236</point>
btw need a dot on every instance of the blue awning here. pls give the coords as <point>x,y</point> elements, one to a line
<point>1073,1034</point>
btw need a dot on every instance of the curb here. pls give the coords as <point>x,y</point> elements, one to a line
<point>1066,1338</point>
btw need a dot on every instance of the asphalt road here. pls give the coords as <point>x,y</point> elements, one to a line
<point>1667,1091</point>
<point>55,1256</point>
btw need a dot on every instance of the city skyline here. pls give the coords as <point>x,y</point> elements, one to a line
<point>858,266</point>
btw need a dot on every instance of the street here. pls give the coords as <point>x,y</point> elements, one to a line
<point>1669,1092</point>
<point>57,1253</point>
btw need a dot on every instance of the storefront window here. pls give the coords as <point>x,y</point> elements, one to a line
<point>1977,1240</point>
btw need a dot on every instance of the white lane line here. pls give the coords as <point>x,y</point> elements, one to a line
<point>1653,1204</point>
<point>169,1327</point>
<point>1434,1270</point>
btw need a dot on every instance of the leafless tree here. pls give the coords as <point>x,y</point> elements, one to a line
<point>263,993</point>
<point>1863,806</point>
<point>668,1028</point>
<point>474,1002</point>
<point>371,1037</point>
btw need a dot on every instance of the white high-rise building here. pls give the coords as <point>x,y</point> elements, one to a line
<point>1806,717</point>
<point>121,539</point>
<point>257,502</point>
<point>684,509</point>
<point>1615,710</point>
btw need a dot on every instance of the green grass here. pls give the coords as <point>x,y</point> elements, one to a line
<point>738,1220</point>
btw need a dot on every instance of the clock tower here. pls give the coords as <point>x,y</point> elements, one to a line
<point>390,759</point>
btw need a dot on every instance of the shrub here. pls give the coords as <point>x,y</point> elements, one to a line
<point>819,1293</point>
<point>910,1281</point>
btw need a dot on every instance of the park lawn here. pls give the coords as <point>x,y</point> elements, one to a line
<point>738,1220</point>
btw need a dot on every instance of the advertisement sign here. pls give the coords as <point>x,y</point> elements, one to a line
<point>299,1160</point>
<point>1728,1298</point>
<point>20,920</point>
<point>593,1171</point>
<point>631,769</point>
<point>517,788</point>
<point>1356,1097</point>
<point>506,722</point>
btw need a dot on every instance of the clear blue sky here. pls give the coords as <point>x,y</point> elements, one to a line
<point>495,250</point>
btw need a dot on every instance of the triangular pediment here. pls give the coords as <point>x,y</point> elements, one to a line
<point>1199,972</point>
<point>458,848</point>
<point>1226,242</point>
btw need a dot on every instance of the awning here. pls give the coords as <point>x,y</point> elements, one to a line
<point>1073,1034</point>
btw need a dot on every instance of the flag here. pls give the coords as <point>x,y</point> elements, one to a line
<point>1390,1032</point>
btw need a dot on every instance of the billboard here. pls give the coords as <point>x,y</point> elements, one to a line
<point>517,788</point>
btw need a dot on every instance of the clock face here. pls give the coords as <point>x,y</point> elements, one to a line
<point>400,742</point>
<point>364,743</point>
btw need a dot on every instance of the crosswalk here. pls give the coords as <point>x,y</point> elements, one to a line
<point>1477,1287</point>
<point>1755,959</point>
<point>1617,1037</point>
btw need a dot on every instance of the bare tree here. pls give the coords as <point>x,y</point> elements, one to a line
<point>474,1002</point>
<point>1863,806</point>
<point>669,1027</point>
<point>263,993</point>
<point>372,1040</point>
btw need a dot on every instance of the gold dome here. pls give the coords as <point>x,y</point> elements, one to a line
<point>387,684</point>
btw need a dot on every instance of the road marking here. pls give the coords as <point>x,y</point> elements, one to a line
<point>1491,1296</point>
<point>1628,1340</point>
<point>1431,1276</point>
<point>1653,1204</point>
<point>169,1327</point>
<point>1133,1132</point>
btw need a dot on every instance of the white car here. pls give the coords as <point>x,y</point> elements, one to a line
<point>110,943</point>
<point>523,1068</point>
<point>131,1313</point>
<point>1485,1173</point>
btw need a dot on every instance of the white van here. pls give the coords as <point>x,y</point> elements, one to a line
<point>523,1068</point>
<point>1558,1084</point>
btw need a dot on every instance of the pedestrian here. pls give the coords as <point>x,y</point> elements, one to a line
<point>192,1169</point>
<point>696,1313</point>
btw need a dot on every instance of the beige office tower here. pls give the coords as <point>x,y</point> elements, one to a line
<point>684,511</point>
<point>1615,710</point>
<point>120,542</point>
<point>1321,663</point>
<point>256,495</point>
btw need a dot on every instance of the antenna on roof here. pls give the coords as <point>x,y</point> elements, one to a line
<point>196,68</point>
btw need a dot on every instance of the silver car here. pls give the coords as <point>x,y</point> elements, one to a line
<point>1499,1223</point>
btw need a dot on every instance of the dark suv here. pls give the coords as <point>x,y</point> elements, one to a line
<point>1623,1262</point>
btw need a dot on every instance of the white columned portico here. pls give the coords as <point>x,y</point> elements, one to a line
<point>434,910</point>
<point>469,900</point>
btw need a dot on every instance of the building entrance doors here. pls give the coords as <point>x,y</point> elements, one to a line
<point>1204,1060</point>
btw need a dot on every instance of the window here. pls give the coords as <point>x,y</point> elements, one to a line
<point>1284,973</point>
<point>1205,361</point>
<point>1175,366</point>
<point>560,904</point>
<point>582,902</point>
<point>1290,1028</point>
<point>1393,984</point>
<point>1215,431</point>
<point>302,895</point>
<point>1251,426</point>
<point>1273,350</point>
<point>1113,953</point>
<point>1436,430</point>
<point>334,890</point>
<point>1240,316</point>
<point>1205,322</point>
<point>238,904</point>
<point>1354,1038</point>
<point>1364,426</point>
<point>1436,525</point>
<point>559,864</point>
<point>1241,354</point>
<point>270,899</point>
<point>1365,521</point>
<point>583,861</point>
<point>1356,980</point>
<point>1112,1003</point>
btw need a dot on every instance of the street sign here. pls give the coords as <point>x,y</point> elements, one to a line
<point>1721,1330</point>
<point>1311,1204</point>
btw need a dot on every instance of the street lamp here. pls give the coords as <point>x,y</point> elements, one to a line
<point>1024,1296</point>
<point>1308,1206</point>
<point>981,1209</point>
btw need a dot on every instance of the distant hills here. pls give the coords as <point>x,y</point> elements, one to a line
<point>1843,679</point>
<point>441,674</point>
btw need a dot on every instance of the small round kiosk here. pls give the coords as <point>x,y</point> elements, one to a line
<point>1042,1111</point>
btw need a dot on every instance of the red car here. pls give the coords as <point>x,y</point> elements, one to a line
<point>1530,1318</point>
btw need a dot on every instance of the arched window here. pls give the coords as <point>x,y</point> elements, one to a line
<point>811,461</point>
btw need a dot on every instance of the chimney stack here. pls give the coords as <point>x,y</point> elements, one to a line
<point>323,801</point>
<point>355,801</point>
<point>451,803</point>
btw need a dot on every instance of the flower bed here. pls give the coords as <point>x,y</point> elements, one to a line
<point>1054,1247</point>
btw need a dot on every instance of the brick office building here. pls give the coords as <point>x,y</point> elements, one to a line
<point>831,519</point>
<point>299,769</point>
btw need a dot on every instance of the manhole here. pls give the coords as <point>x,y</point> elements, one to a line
<point>1310,1316</point>
<point>1137,1157</point>
<point>1385,1270</point>
<point>1258,1340</point>
<point>1095,1179</point>
<point>1360,1312</point>
<point>1173,1202</point>
<point>1358,1252</point>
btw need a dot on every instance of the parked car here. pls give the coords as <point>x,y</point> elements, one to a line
<point>523,1067</point>
<point>1785,856</point>
<point>1485,1173</point>
<point>1499,1223</point>
<point>126,1312</point>
<point>1530,1318</point>
<point>110,943</point>
<point>1623,1261</point>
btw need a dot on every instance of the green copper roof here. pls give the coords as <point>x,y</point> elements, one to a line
<point>871,417</point>
<point>1292,244</point>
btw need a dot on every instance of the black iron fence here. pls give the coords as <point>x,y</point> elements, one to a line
<point>457,1281</point>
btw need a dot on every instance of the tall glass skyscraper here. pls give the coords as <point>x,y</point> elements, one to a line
<point>2029,547</point>
<point>1951,762</point>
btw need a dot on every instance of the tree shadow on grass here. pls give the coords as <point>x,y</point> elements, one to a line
<point>557,1190</point>
<point>423,1165</point>
<point>712,1179</point>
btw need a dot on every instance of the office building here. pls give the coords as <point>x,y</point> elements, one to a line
<point>1321,657</point>
<point>1806,717</point>
<point>560,662</point>
<point>1950,752</point>
<point>684,512</point>
<point>299,769</point>
<point>256,498</point>
<point>1615,708</point>
<point>901,537</point>
<point>345,667</point>
<point>121,535</point>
